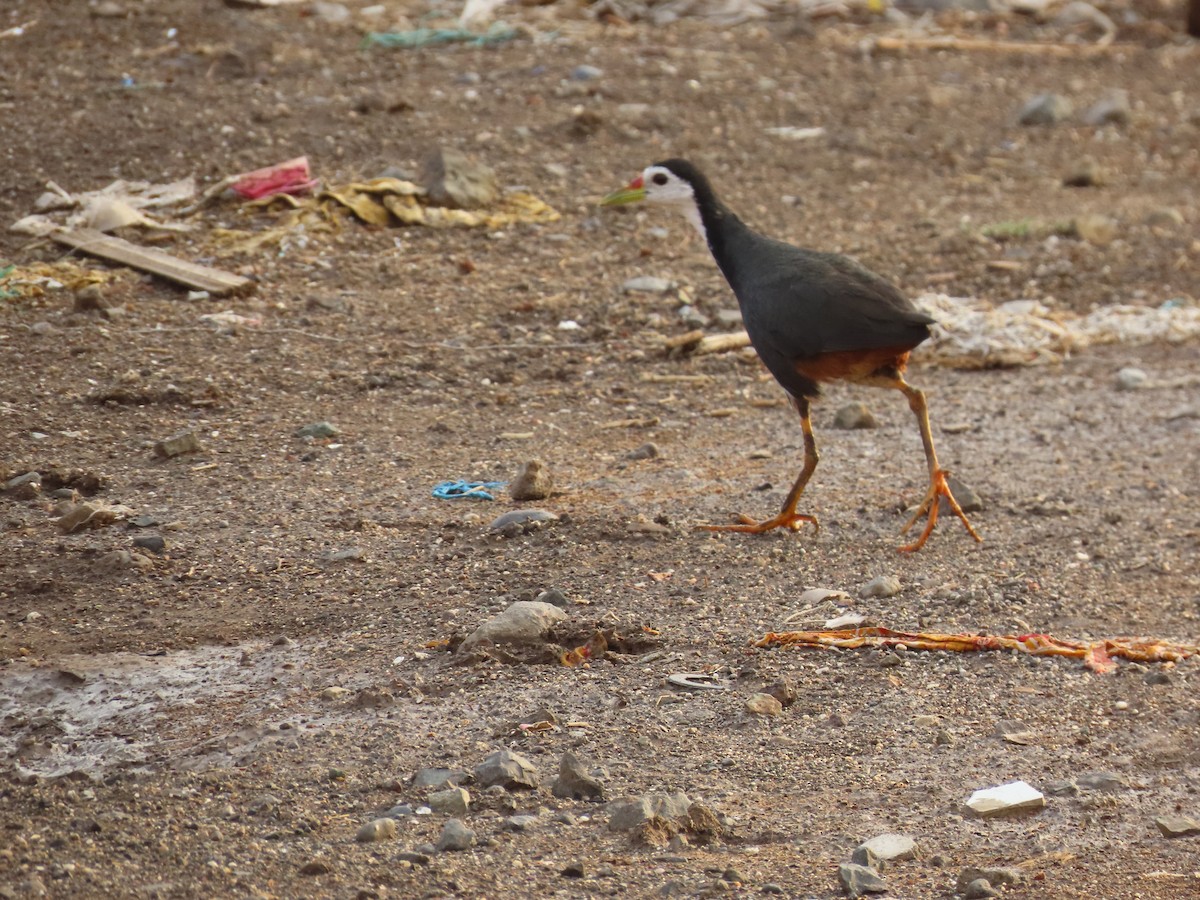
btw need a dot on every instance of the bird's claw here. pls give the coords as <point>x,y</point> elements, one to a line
<point>938,488</point>
<point>746,525</point>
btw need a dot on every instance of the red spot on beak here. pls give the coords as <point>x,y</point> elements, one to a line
<point>637,184</point>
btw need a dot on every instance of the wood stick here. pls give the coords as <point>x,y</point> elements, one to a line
<point>217,282</point>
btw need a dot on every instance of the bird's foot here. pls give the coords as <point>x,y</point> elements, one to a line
<point>938,488</point>
<point>790,520</point>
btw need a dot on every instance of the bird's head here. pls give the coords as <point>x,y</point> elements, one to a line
<point>674,182</point>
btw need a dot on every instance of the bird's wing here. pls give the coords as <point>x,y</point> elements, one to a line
<point>811,303</point>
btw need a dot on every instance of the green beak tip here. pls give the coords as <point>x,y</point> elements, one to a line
<point>623,196</point>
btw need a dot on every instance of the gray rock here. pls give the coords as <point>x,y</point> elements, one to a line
<point>864,856</point>
<point>554,597</point>
<point>1085,173</point>
<point>383,829</point>
<point>453,180</point>
<point>1096,229</point>
<point>968,499</point>
<point>647,284</point>
<point>889,847</point>
<point>187,442</point>
<point>1065,788</point>
<point>523,623</point>
<point>1157,676</point>
<point>453,801</point>
<point>1112,109</point>
<point>632,812</point>
<point>883,586</point>
<point>586,73</point>
<point>979,889</point>
<point>413,857</point>
<point>1167,218</point>
<point>507,770</point>
<point>648,450</point>
<point>761,704</point>
<point>577,869</point>
<point>728,318</point>
<point>574,783</point>
<point>317,430</point>
<point>1131,378</point>
<point>520,822</point>
<point>1045,109</point>
<point>24,487</point>
<point>854,416</point>
<point>455,836</point>
<point>155,543</point>
<point>1177,826</point>
<point>859,880</point>
<point>521,521</point>
<point>533,482</point>
<point>995,877</point>
<point>401,811</point>
<point>435,777</point>
<point>1102,781</point>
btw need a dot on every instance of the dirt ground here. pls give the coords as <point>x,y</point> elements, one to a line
<point>219,718</point>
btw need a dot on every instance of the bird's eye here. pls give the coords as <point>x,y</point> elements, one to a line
<point>659,179</point>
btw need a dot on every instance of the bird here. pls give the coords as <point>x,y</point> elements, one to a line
<point>813,317</point>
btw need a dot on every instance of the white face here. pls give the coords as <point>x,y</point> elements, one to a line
<point>664,186</point>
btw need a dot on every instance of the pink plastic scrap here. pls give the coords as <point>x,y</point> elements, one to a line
<point>291,177</point>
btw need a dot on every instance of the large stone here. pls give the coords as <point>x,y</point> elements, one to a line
<point>633,812</point>
<point>455,836</point>
<point>859,880</point>
<point>524,622</point>
<point>1177,826</point>
<point>886,848</point>
<point>451,179</point>
<point>1014,797</point>
<point>452,801</point>
<point>508,770</point>
<point>574,783</point>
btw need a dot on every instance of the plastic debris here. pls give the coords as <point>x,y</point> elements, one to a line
<point>387,201</point>
<point>1096,655</point>
<point>432,37</point>
<point>291,177</point>
<point>471,490</point>
<point>1016,796</point>
<point>119,204</point>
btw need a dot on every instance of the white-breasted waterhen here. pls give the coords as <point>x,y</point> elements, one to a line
<point>813,317</point>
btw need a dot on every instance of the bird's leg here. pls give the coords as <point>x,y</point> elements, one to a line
<point>787,517</point>
<point>938,487</point>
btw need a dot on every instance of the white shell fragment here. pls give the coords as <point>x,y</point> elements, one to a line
<point>1015,796</point>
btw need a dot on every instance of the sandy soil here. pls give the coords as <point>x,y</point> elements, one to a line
<point>167,724</point>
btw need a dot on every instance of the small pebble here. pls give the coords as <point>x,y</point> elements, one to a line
<point>883,586</point>
<point>1045,109</point>
<point>763,705</point>
<point>455,836</point>
<point>854,416</point>
<point>1131,378</point>
<point>383,829</point>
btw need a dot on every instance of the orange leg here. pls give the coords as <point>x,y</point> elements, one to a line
<point>938,487</point>
<point>787,517</point>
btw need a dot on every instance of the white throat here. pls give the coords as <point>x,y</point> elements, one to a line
<point>692,213</point>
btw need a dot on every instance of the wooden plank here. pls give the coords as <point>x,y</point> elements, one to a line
<point>217,282</point>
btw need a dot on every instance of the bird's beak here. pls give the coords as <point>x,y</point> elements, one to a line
<point>634,192</point>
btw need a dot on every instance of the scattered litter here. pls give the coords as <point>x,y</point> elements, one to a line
<point>1016,796</point>
<point>217,282</point>
<point>388,201</point>
<point>291,177</point>
<point>118,205</point>
<point>433,37</point>
<point>792,133</point>
<point>229,322</point>
<point>1096,655</point>
<point>973,334</point>
<point>18,30</point>
<point>91,514</point>
<point>472,490</point>
<point>696,681</point>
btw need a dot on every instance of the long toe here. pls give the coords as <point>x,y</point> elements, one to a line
<point>746,525</point>
<point>938,488</point>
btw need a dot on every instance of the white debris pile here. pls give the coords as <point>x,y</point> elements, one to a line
<point>973,334</point>
<point>118,205</point>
